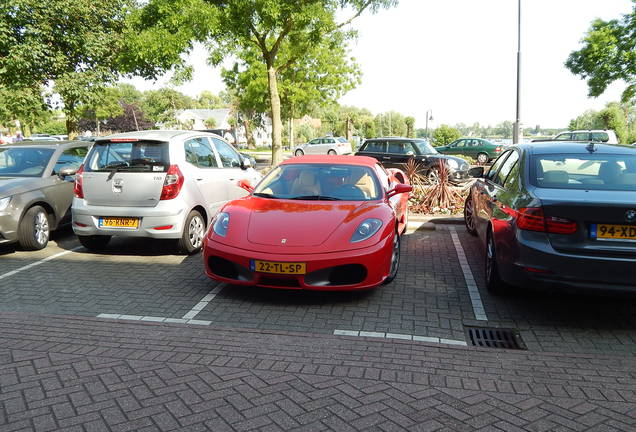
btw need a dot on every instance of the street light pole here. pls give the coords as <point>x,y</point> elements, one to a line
<point>517,127</point>
<point>429,116</point>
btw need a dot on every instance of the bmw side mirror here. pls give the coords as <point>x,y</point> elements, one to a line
<point>67,171</point>
<point>245,184</point>
<point>476,172</point>
<point>400,188</point>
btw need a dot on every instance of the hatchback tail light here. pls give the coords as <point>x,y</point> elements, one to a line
<point>533,219</point>
<point>78,190</point>
<point>498,149</point>
<point>172,184</point>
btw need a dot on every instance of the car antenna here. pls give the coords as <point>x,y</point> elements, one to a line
<point>590,147</point>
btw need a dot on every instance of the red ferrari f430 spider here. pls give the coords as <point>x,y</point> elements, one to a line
<point>314,222</point>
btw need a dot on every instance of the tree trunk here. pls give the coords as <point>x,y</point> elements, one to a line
<point>71,119</point>
<point>97,126</point>
<point>71,127</point>
<point>248,134</point>
<point>291,134</point>
<point>277,124</point>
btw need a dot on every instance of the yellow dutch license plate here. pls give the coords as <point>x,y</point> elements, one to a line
<point>278,267</point>
<point>614,232</point>
<point>119,222</point>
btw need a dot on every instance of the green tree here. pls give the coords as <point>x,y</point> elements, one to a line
<point>410,125</point>
<point>588,120</point>
<point>74,43</point>
<point>160,106</point>
<point>445,134</point>
<point>613,117</point>
<point>230,27</point>
<point>105,104</point>
<point>27,105</point>
<point>209,100</point>
<point>608,55</point>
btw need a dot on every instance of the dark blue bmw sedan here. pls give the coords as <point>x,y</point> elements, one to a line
<point>557,215</point>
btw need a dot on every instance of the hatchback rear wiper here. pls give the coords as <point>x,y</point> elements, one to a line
<point>316,198</point>
<point>114,167</point>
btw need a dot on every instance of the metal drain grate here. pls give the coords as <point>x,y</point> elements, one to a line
<point>488,337</point>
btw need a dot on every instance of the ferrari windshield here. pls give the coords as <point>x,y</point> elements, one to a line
<point>320,182</point>
<point>24,161</point>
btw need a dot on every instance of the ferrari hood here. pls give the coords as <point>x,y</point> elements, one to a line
<point>297,223</point>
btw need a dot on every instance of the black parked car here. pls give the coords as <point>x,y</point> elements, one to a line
<point>395,152</point>
<point>557,215</point>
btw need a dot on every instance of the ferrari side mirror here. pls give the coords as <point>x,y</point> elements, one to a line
<point>400,188</point>
<point>245,184</point>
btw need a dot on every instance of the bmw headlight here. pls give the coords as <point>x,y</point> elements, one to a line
<point>4,202</point>
<point>452,164</point>
<point>221,224</point>
<point>366,229</point>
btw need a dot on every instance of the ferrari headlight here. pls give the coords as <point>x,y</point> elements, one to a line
<point>365,230</point>
<point>221,224</point>
<point>452,164</point>
<point>4,202</point>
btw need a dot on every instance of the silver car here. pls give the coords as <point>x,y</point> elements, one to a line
<point>325,145</point>
<point>158,184</point>
<point>36,189</point>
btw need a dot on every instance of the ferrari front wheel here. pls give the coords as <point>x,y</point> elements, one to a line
<point>395,259</point>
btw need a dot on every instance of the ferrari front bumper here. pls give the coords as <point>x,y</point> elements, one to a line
<point>332,271</point>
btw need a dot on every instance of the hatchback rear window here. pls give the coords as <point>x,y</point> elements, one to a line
<point>593,171</point>
<point>133,156</point>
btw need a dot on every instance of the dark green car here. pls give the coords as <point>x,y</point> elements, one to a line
<point>478,148</point>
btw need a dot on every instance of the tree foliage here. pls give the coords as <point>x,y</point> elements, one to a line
<point>73,43</point>
<point>445,134</point>
<point>275,34</point>
<point>608,55</point>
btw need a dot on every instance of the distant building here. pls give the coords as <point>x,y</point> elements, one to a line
<point>218,121</point>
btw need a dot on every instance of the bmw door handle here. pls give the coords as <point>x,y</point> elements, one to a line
<point>199,179</point>
<point>386,157</point>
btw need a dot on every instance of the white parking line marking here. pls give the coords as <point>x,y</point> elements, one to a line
<point>187,318</point>
<point>399,336</point>
<point>42,261</point>
<point>204,302</point>
<point>473,291</point>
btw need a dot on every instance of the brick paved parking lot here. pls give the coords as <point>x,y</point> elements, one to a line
<point>269,360</point>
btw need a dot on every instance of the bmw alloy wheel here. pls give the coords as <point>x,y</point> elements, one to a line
<point>490,258</point>
<point>469,216</point>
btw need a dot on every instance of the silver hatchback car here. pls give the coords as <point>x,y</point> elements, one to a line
<point>158,184</point>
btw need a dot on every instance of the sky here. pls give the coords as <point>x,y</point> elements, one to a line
<point>458,60</point>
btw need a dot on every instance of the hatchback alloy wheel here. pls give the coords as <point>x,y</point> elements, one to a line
<point>196,232</point>
<point>34,229</point>
<point>482,158</point>
<point>42,228</point>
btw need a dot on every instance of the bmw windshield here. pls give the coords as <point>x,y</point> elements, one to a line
<point>320,182</point>
<point>591,171</point>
